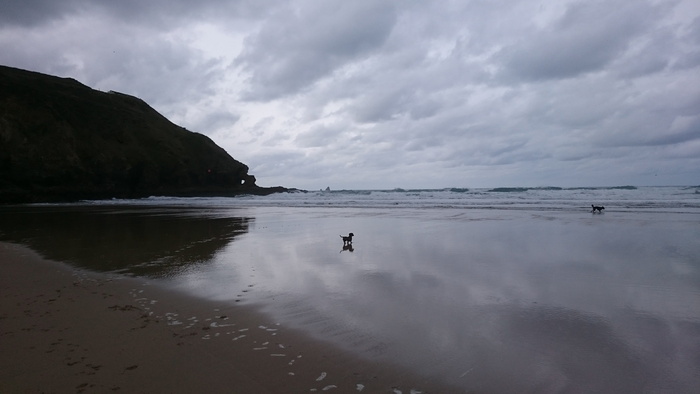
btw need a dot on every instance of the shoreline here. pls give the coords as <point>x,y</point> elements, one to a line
<point>24,197</point>
<point>69,330</point>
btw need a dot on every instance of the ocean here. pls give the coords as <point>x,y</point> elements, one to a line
<point>620,198</point>
<point>491,290</point>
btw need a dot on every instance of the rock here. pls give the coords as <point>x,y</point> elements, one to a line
<point>63,141</point>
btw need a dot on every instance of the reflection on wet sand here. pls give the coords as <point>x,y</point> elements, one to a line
<point>347,248</point>
<point>144,241</point>
<point>497,305</point>
<point>488,301</point>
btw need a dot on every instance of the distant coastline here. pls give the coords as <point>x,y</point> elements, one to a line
<point>494,189</point>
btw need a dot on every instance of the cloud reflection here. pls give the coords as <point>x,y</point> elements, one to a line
<point>492,301</point>
<point>554,304</point>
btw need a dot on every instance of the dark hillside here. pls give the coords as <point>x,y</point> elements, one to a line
<point>61,140</point>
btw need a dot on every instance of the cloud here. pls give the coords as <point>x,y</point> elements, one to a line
<point>160,14</point>
<point>419,94</point>
<point>586,38</point>
<point>322,136</point>
<point>34,12</point>
<point>156,69</point>
<point>299,45</point>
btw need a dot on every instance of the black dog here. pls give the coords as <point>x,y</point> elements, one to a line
<point>347,240</point>
<point>599,209</point>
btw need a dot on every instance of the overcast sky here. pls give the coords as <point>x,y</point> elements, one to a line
<point>384,94</point>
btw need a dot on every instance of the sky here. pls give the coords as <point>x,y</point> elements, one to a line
<point>381,94</point>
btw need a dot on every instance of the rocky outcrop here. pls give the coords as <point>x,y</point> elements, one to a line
<point>61,140</point>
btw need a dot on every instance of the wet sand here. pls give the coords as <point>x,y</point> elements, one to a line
<point>489,301</point>
<point>67,330</point>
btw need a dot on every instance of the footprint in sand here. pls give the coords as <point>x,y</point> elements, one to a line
<point>292,362</point>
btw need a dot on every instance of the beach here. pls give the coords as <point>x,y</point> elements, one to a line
<point>216,295</point>
<point>67,330</point>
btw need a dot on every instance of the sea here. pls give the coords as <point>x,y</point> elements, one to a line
<point>502,290</point>
<point>620,198</point>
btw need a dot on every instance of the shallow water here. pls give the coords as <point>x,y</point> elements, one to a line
<point>492,300</point>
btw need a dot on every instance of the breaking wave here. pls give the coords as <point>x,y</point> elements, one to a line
<point>616,198</point>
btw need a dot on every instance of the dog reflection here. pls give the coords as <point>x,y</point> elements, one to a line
<point>347,243</point>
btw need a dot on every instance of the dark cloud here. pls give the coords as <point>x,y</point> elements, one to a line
<point>299,45</point>
<point>216,119</point>
<point>426,94</point>
<point>34,12</point>
<point>155,13</point>
<point>586,38</point>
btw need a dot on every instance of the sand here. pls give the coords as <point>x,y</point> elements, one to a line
<point>490,301</point>
<point>65,330</point>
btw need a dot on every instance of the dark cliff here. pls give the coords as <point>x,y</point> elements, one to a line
<point>61,141</point>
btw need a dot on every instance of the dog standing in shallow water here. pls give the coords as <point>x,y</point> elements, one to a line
<point>599,209</point>
<point>347,240</point>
